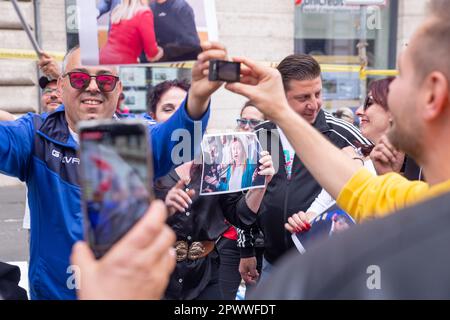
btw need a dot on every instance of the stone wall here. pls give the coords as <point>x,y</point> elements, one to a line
<point>410,14</point>
<point>19,92</point>
<point>18,78</point>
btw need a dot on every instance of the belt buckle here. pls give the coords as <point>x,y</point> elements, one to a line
<point>181,249</point>
<point>196,250</point>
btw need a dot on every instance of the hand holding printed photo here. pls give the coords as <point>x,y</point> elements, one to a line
<point>231,163</point>
<point>334,220</point>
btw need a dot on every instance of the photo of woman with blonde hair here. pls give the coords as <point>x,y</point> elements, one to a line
<point>241,172</point>
<point>132,32</point>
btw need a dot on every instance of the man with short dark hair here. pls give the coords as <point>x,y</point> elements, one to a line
<point>293,188</point>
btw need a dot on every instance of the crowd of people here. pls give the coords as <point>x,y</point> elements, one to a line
<point>190,246</point>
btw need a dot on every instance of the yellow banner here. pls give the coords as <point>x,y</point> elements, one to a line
<point>59,56</point>
<point>27,54</point>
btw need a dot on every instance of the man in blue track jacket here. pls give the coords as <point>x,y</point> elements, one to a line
<point>42,151</point>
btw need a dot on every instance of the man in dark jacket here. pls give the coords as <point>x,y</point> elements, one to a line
<point>175,30</point>
<point>293,188</point>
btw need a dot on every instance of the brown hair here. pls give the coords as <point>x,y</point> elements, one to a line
<point>155,93</point>
<point>298,67</point>
<point>380,89</point>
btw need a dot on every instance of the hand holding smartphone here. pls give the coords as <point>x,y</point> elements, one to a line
<point>116,179</point>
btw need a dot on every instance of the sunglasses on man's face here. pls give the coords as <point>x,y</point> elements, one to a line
<point>368,102</point>
<point>81,80</point>
<point>252,123</point>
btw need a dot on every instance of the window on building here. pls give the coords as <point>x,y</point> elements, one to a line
<point>330,31</point>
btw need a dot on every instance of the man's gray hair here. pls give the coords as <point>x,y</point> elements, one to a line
<point>69,53</point>
<point>66,58</point>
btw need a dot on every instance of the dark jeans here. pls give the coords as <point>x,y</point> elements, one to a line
<point>212,290</point>
<point>229,276</point>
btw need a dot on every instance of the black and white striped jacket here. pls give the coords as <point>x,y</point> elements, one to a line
<point>285,197</point>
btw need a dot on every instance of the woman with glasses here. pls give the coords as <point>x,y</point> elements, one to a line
<point>250,117</point>
<point>374,116</point>
<point>132,32</point>
<point>241,260</point>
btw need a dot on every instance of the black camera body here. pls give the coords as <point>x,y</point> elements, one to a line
<point>221,70</point>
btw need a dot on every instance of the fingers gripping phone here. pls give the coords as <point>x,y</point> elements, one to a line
<point>116,179</point>
<point>220,70</point>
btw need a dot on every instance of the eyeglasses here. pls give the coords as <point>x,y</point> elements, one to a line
<point>80,81</point>
<point>252,123</point>
<point>49,91</point>
<point>368,102</point>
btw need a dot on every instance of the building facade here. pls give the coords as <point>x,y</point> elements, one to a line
<point>265,30</point>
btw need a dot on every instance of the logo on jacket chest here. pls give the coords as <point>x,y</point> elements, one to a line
<point>64,158</point>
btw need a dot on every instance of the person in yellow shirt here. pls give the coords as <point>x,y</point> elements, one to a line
<point>419,101</point>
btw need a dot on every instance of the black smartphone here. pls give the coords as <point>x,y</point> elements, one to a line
<point>116,179</point>
<point>221,70</point>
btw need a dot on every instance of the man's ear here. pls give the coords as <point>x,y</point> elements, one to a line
<point>436,88</point>
<point>59,85</point>
<point>390,119</point>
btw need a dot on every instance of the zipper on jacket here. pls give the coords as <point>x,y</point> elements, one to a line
<point>286,194</point>
<point>287,236</point>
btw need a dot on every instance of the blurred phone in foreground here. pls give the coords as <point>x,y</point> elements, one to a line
<point>116,179</point>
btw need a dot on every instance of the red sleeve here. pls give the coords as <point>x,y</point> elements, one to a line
<point>147,31</point>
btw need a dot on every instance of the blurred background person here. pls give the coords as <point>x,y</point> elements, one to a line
<point>50,98</point>
<point>164,98</point>
<point>241,250</point>
<point>346,114</point>
<point>132,31</point>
